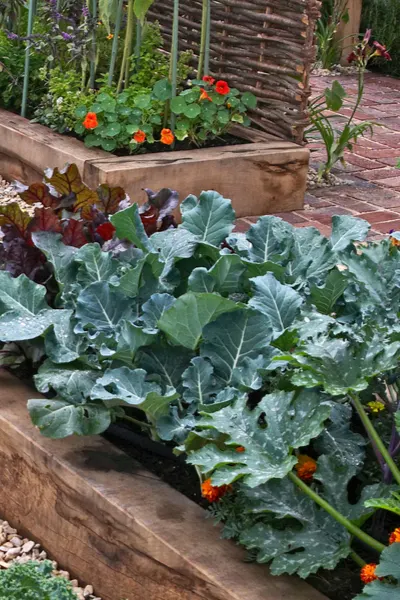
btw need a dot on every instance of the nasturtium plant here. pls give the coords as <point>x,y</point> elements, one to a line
<point>261,356</point>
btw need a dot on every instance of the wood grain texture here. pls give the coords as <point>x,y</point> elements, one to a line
<point>348,32</point>
<point>110,522</point>
<point>265,176</point>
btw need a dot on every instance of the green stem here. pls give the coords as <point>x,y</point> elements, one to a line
<point>127,46</point>
<point>93,61</point>
<point>174,56</point>
<point>359,95</point>
<point>357,559</point>
<point>141,424</point>
<point>27,58</point>
<point>114,50</point>
<point>130,45</point>
<point>202,51</point>
<point>138,45</point>
<point>351,528</point>
<point>375,437</point>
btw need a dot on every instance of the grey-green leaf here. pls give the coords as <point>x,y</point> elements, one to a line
<point>346,229</point>
<point>211,219</point>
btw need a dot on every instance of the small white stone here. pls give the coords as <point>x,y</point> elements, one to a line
<point>12,553</point>
<point>16,541</point>
<point>27,547</point>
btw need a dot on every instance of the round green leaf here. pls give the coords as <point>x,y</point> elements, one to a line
<point>223,116</point>
<point>108,145</point>
<point>131,129</point>
<point>81,112</point>
<point>178,105</point>
<point>113,129</point>
<point>143,101</point>
<point>92,140</point>
<point>237,118</point>
<point>162,90</point>
<point>249,100</point>
<point>96,107</point>
<point>192,111</point>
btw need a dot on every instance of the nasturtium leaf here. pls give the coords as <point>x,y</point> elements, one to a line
<point>346,229</point>
<point>95,265</point>
<point>191,111</point>
<point>101,308</point>
<point>183,323</point>
<point>59,419</point>
<point>249,335</point>
<point>112,129</point>
<point>71,382</point>
<point>269,237</point>
<point>339,441</point>
<point>178,105</point>
<point>163,88</point>
<point>291,421</point>
<point>129,226</point>
<point>249,100</point>
<point>324,298</point>
<point>154,309</point>
<point>199,382</point>
<point>279,303</point>
<point>210,218</point>
<point>315,541</point>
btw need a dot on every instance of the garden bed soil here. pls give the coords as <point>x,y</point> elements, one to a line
<point>264,175</point>
<point>107,519</point>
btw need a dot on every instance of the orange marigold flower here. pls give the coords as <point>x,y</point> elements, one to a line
<point>140,137</point>
<point>209,79</point>
<point>306,467</point>
<point>204,95</point>
<point>367,573</point>
<point>213,493</point>
<point>90,121</point>
<point>221,87</point>
<point>240,449</point>
<point>110,36</point>
<point>395,536</point>
<point>167,137</point>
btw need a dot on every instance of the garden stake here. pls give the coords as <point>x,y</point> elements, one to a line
<point>202,70</point>
<point>208,41</point>
<point>94,47</point>
<point>124,72</point>
<point>27,58</point>
<point>351,528</point>
<point>375,437</point>
<point>138,45</point>
<point>174,56</point>
<point>115,42</point>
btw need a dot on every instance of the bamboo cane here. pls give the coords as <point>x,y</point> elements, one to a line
<point>27,58</point>
<point>94,47</point>
<point>114,50</point>
<point>174,56</point>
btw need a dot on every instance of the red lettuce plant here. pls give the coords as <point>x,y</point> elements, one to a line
<point>64,204</point>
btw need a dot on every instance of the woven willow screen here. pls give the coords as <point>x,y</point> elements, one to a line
<point>263,46</point>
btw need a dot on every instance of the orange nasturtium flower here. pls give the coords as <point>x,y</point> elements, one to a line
<point>213,493</point>
<point>221,87</point>
<point>306,467</point>
<point>90,121</point>
<point>204,95</point>
<point>209,79</point>
<point>395,536</point>
<point>367,573</point>
<point>140,137</point>
<point>167,137</point>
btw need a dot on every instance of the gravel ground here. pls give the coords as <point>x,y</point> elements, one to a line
<point>8,194</point>
<point>15,548</point>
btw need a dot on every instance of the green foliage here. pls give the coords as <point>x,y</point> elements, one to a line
<point>334,12</point>
<point>34,581</point>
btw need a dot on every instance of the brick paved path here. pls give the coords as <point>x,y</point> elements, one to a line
<point>374,194</point>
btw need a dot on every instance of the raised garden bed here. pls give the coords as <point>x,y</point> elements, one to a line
<point>107,519</point>
<point>263,176</point>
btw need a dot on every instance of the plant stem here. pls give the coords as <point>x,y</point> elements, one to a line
<point>93,60</point>
<point>174,56</point>
<point>375,437</point>
<point>127,47</point>
<point>27,58</point>
<point>141,424</point>
<point>359,95</point>
<point>351,528</point>
<point>114,50</point>
<point>357,559</point>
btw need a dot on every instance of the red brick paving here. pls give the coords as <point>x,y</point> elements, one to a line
<point>371,189</point>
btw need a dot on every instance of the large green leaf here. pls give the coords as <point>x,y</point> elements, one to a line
<point>315,541</point>
<point>183,323</point>
<point>199,382</point>
<point>291,421</point>
<point>59,418</point>
<point>339,441</point>
<point>210,218</point>
<point>21,295</point>
<point>346,229</point>
<point>391,503</point>
<point>224,277</point>
<point>95,265</point>
<point>129,226</point>
<point>166,362</point>
<point>58,254</point>
<point>324,298</point>
<point>154,309</point>
<point>173,244</point>
<point>70,382</point>
<point>389,564</point>
<point>62,344</point>
<point>131,338</point>
<point>140,8</point>
<point>232,338</point>
<point>279,303</point>
<point>101,308</point>
<point>269,237</point>
<point>379,590</point>
<point>312,257</point>
<point>123,385</point>
<point>16,326</point>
